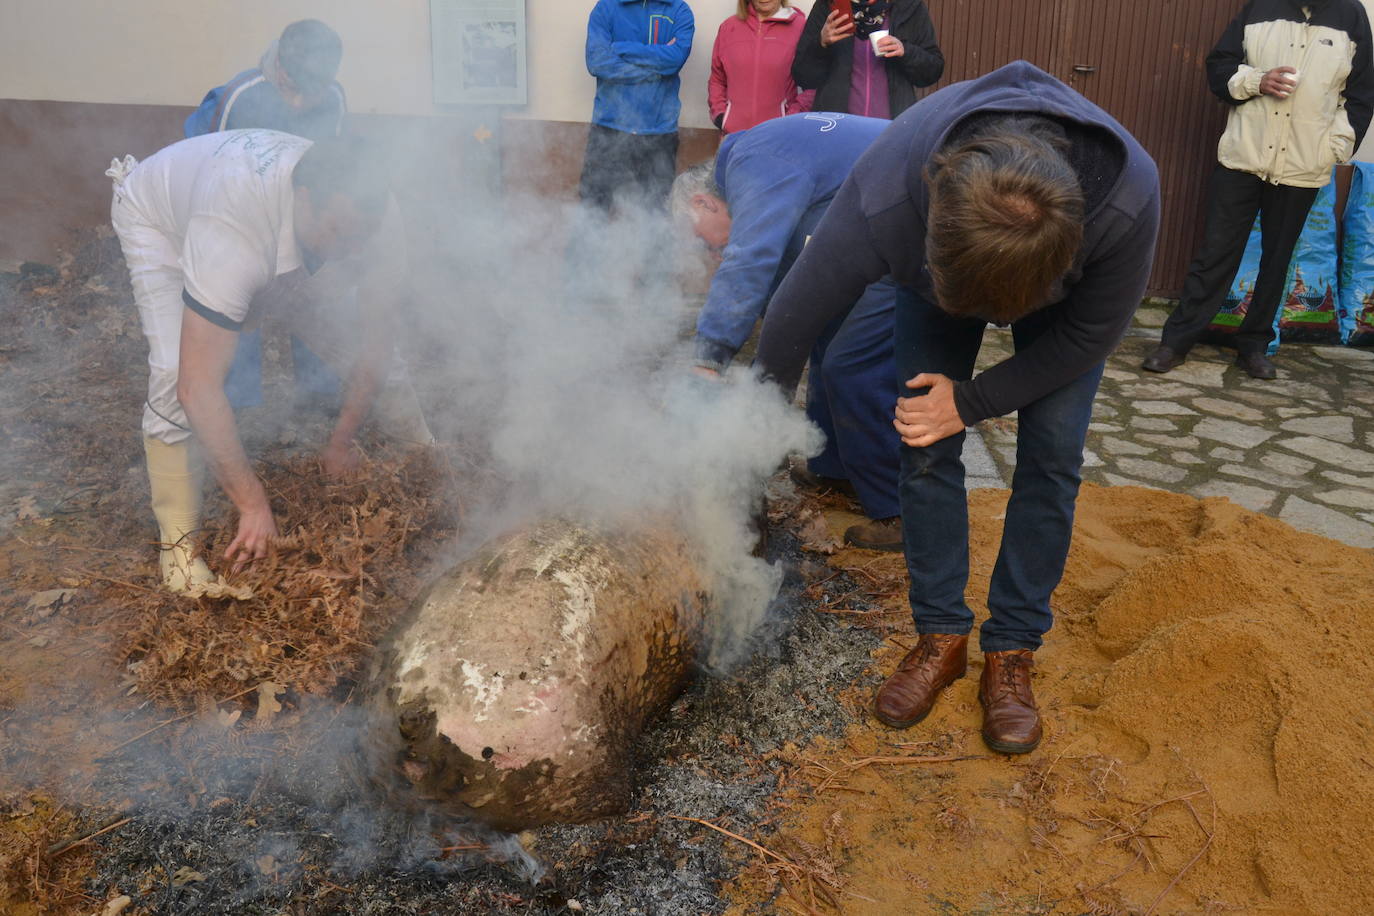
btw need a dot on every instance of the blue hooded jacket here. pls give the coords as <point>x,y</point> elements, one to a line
<point>772,177</point>
<point>877,227</point>
<point>635,49</point>
<point>252,99</point>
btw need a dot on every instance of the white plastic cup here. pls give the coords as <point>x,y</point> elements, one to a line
<point>875,37</point>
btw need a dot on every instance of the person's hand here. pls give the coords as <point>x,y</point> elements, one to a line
<point>837,27</point>
<point>707,372</point>
<point>926,419</point>
<point>339,459</point>
<point>257,527</point>
<point>891,46</point>
<point>1279,82</point>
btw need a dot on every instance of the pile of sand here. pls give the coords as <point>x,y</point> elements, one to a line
<point>1210,743</point>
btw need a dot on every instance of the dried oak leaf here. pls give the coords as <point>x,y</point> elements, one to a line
<point>50,600</point>
<point>267,701</point>
<point>816,537</point>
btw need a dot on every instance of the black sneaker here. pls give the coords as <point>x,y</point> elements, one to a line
<point>803,477</point>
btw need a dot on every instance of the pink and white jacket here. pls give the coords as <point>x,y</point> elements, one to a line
<point>751,70</point>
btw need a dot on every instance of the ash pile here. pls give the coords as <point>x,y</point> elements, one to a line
<point>211,755</point>
<point>287,823</point>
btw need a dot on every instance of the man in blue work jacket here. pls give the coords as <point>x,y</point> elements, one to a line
<point>1008,199</point>
<point>293,90</point>
<point>757,204</point>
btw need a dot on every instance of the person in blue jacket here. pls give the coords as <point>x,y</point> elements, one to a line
<point>1008,199</point>
<point>635,49</point>
<point>757,204</point>
<point>292,90</point>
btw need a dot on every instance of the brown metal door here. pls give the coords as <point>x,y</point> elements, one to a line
<point>1141,60</point>
<point>978,36</point>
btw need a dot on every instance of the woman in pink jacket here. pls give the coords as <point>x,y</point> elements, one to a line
<point>751,65</point>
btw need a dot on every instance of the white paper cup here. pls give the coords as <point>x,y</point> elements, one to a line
<point>875,37</point>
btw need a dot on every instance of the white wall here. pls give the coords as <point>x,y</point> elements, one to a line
<point>169,52</point>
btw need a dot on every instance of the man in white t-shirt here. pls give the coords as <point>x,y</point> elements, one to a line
<point>211,228</point>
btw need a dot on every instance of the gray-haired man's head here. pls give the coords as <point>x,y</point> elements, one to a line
<point>696,198</point>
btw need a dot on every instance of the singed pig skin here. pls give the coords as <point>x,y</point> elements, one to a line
<point>516,688</point>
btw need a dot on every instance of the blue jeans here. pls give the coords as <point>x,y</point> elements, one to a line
<point>1039,517</point>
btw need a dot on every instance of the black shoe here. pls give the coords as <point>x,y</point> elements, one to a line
<point>878,534</point>
<point>1256,365</point>
<point>1163,359</point>
<point>803,477</point>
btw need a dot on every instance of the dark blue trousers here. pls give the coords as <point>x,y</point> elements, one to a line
<point>243,383</point>
<point>1039,517</point>
<point>850,397</point>
<point>849,388</point>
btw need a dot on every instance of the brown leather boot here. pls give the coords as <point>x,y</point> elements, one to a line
<point>878,534</point>
<point>1011,720</point>
<point>907,696</point>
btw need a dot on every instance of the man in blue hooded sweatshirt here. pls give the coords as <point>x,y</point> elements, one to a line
<point>1011,199</point>
<point>757,204</point>
<point>635,49</point>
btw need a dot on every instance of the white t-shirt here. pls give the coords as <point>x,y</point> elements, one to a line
<point>226,201</point>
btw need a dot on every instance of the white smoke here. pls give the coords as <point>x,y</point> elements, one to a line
<point>570,374</point>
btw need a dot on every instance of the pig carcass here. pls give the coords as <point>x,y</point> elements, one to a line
<point>515,689</point>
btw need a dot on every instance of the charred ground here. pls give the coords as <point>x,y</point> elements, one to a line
<point>218,742</point>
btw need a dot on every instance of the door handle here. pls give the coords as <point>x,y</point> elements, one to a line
<point>1084,68</point>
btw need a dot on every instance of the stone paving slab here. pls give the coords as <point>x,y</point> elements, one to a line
<point>1308,516</point>
<point>1300,448</point>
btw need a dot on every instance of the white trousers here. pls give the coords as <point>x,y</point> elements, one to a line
<point>155,272</point>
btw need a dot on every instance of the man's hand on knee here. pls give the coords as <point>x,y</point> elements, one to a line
<point>926,419</point>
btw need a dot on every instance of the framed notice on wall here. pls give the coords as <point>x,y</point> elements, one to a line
<point>479,52</point>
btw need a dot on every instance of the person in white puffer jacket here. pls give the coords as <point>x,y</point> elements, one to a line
<point>1298,76</point>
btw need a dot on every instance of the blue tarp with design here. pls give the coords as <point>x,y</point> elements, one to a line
<point>1308,312</point>
<point>1357,260</point>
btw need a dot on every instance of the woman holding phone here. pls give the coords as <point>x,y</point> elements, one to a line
<point>867,57</point>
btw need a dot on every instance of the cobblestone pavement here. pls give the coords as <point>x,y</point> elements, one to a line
<point>1300,447</point>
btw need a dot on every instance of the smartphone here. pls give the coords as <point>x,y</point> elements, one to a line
<point>843,6</point>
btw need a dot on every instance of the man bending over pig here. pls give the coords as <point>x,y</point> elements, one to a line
<point>1008,199</point>
<point>756,204</point>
